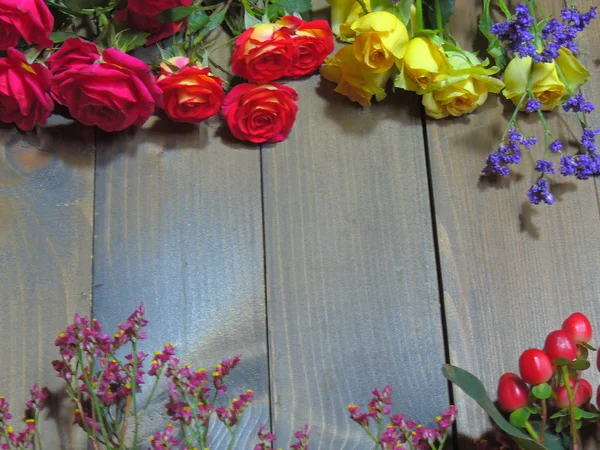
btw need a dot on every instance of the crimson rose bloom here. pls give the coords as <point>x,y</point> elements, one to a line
<point>264,53</point>
<point>24,91</point>
<point>315,43</point>
<point>191,93</point>
<point>27,19</point>
<point>151,24</point>
<point>155,7</point>
<point>260,113</point>
<point>113,92</point>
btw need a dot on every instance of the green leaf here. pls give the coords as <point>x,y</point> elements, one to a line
<point>542,391</point>
<point>583,414</point>
<point>563,423</point>
<point>177,14</point>
<point>216,19</point>
<point>552,441</point>
<point>519,417</point>
<point>429,13</point>
<point>303,7</point>
<point>475,389</point>
<point>400,9</point>
<point>79,5</point>
<point>587,346</point>
<point>128,40</point>
<point>197,20</point>
<point>250,21</point>
<point>580,364</point>
<point>532,409</point>
<point>61,36</point>
<point>561,361</point>
<point>562,413</point>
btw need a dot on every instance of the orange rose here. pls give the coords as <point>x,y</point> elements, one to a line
<point>190,92</point>
<point>260,113</point>
<point>264,53</point>
<point>314,40</point>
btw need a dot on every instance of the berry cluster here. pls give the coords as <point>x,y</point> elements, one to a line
<point>550,379</point>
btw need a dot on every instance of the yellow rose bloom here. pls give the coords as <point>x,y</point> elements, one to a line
<point>546,83</point>
<point>346,33</point>
<point>353,81</point>
<point>381,40</point>
<point>339,13</point>
<point>423,64</point>
<point>464,89</point>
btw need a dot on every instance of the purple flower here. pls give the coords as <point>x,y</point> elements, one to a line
<point>540,192</point>
<point>543,166</point>
<point>568,166</point>
<point>532,105</point>
<point>516,34</point>
<point>578,104</point>
<point>556,146</point>
<point>588,140</point>
<point>164,440</point>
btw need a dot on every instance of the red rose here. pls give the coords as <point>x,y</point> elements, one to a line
<point>315,43</point>
<point>74,52</point>
<point>155,7</point>
<point>114,92</point>
<point>24,91</point>
<point>264,53</point>
<point>27,19</point>
<point>260,113</point>
<point>190,94</point>
<point>150,24</point>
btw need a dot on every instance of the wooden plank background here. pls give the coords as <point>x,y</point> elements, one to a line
<point>327,260</point>
<point>46,207</point>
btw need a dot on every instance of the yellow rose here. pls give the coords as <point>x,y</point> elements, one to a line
<point>423,64</point>
<point>546,84</point>
<point>354,82</point>
<point>339,13</point>
<point>346,33</point>
<point>381,40</point>
<point>464,89</point>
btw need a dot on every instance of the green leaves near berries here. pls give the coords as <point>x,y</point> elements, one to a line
<point>542,391</point>
<point>519,417</point>
<point>580,364</point>
<point>471,385</point>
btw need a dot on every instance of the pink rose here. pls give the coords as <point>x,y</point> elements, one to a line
<point>155,7</point>
<point>27,19</point>
<point>24,91</point>
<point>113,92</point>
<point>151,24</point>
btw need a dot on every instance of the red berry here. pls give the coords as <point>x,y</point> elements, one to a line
<point>513,393</point>
<point>582,396</point>
<point>535,367</point>
<point>578,326</point>
<point>560,344</point>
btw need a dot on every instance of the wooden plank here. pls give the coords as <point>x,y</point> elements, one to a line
<point>46,201</point>
<point>178,226</point>
<point>352,289</point>
<point>511,272</point>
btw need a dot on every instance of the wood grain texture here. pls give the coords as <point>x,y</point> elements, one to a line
<point>511,271</point>
<point>178,226</point>
<point>352,292</point>
<point>46,201</point>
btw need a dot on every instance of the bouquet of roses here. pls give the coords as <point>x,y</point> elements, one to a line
<point>75,53</point>
<point>409,43</point>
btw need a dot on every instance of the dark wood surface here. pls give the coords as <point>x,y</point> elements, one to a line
<point>46,216</point>
<point>323,260</point>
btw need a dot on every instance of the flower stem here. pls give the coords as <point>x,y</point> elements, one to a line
<point>419,15</point>
<point>565,375</point>
<point>136,418</point>
<point>37,431</point>
<point>153,391</point>
<point>544,418</point>
<point>363,6</point>
<point>438,17</point>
